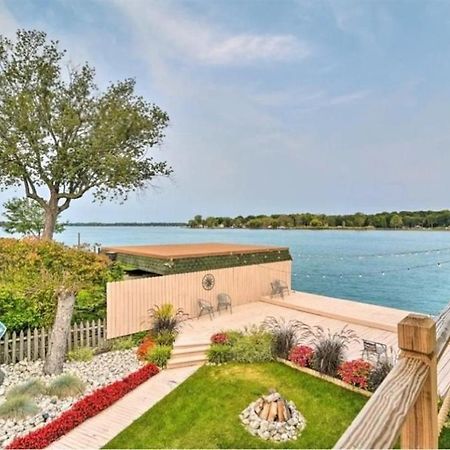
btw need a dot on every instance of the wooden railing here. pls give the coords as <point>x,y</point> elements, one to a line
<point>406,403</point>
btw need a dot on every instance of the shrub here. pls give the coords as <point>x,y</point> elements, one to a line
<point>220,338</point>
<point>159,355</point>
<point>83,409</point>
<point>31,388</point>
<point>66,385</point>
<point>104,347</point>
<point>123,343</point>
<point>30,276</point>
<point>220,353</point>
<point>18,407</point>
<point>82,354</point>
<point>145,346</point>
<point>329,348</point>
<point>165,337</point>
<point>355,372</point>
<point>285,334</point>
<point>301,355</point>
<point>253,346</point>
<point>378,374</point>
<point>165,318</point>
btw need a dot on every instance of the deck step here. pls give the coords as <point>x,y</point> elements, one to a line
<point>175,363</point>
<point>184,351</point>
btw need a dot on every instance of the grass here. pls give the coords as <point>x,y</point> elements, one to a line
<point>203,411</point>
<point>18,407</point>
<point>66,385</point>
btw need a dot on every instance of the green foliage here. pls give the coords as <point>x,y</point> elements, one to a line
<point>33,271</point>
<point>31,388</point>
<point>220,353</point>
<point>408,219</point>
<point>165,318</point>
<point>255,345</point>
<point>165,337</point>
<point>285,334</point>
<point>59,133</point>
<point>83,354</point>
<point>329,348</point>
<point>123,343</point>
<point>66,385</point>
<point>159,355</point>
<point>378,374</point>
<point>26,217</point>
<point>18,407</point>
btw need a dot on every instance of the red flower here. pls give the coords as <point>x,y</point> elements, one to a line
<point>220,338</point>
<point>355,372</point>
<point>83,409</point>
<point>301,355</point>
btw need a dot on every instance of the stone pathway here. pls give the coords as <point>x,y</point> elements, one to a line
<point>99,430</point>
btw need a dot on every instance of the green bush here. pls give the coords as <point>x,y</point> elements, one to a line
<point>123,343</point>
<point>31,272</point>
<point>83,354</point>
<point>159,355</point>
<point>66,385</point>
<point>253,346</point>
<point>165,337</point>
<point>31,388</point>
<point>220,353</point>
<point>18,407</point>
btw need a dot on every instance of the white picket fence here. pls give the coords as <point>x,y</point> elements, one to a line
<point>32,344</point>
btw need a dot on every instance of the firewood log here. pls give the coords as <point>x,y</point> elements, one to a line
<point>272,412</point>
<point>265,411</point>
<point>281,411</point>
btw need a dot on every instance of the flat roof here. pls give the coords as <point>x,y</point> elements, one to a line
<point>174,251</point>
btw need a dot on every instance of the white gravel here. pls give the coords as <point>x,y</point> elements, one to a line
<point>102,370</point>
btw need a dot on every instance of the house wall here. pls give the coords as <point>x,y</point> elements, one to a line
<point>129,301</point>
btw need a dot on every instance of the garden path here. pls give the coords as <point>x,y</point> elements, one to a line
<point>99,430</point>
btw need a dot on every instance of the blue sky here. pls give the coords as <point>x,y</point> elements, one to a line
<point>275,106</point>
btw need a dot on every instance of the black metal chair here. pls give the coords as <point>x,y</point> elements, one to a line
<point>279,288</point>
<point>374,350</point>
<point>205,307</point>
<point>224,301</point>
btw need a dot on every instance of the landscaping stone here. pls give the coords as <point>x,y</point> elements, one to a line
<point>272,429</point>
<point>104,369</point>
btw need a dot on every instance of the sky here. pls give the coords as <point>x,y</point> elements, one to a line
<point>275,106</point>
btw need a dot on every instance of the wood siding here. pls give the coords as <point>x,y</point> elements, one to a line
<point>129,301</point>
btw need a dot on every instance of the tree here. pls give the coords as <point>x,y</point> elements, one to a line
<point>60,137</point>
<point>396,221</point>
<point>25,216</point>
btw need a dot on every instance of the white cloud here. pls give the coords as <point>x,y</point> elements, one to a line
<point>193,38</point>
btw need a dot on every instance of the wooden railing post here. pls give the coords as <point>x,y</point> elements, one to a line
<point>417,339</point>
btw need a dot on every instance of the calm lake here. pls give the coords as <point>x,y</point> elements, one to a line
<point>402,269</point>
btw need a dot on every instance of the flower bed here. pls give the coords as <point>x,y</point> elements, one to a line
<point>84,409</point>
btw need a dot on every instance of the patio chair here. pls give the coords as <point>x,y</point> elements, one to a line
<point>279,288</point>
<point>224,301</point>
<point>205,307</point>
<point>374,350</point>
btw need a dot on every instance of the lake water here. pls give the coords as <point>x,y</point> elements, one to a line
<point>369,266</point>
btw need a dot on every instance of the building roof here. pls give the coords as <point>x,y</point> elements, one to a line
<point>179,251</point>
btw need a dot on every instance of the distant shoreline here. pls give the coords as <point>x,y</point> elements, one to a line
<point>185,225</point>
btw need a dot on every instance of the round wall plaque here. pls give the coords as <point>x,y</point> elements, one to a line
<point>208,281</point>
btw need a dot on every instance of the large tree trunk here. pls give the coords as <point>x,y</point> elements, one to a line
<point>60,331</point>
<point>51,215</point>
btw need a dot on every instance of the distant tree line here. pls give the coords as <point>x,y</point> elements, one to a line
<point>390,220</point>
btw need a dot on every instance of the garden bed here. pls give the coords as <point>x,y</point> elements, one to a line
<point>203,412</point>
<point>102,370</point>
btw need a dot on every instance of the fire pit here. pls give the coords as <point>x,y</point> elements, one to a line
<point>273,418</point>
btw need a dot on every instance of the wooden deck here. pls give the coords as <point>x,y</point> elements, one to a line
<point>372,322</point>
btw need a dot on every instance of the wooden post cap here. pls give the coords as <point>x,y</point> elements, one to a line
<point>417,333</point>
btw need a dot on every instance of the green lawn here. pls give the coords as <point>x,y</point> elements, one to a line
<point>203,411</point>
